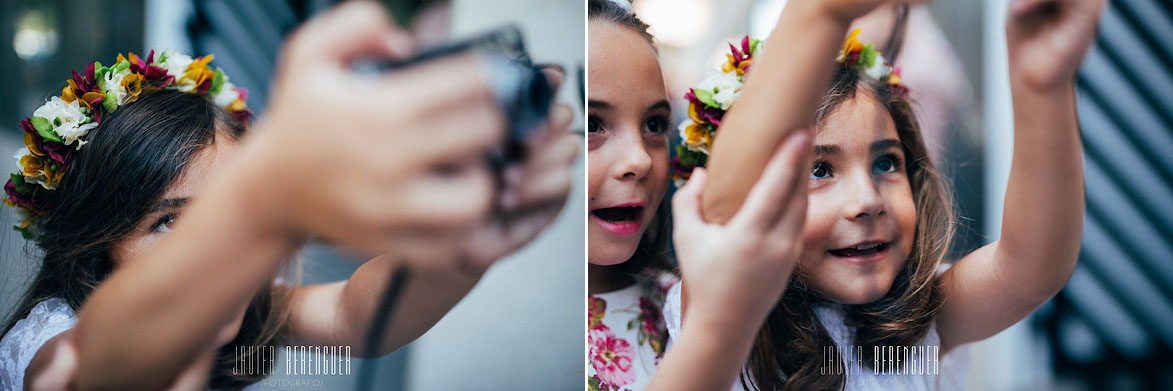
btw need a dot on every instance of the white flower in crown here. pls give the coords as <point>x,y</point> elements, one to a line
<point>23,214</point>
<point>66,119</point>
<point>20,154</point>
<point>724,87</point>
<point>176,65</point>
<point>40,178</point>
<point>226,95</point>
<point>111,84</point>
<point>878,69</point>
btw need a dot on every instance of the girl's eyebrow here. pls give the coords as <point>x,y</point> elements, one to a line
<point>662,104</point>
<point>885,144</point>
<point>828,149</point>
<point>601,105</point>
<point>170,203</point>
<point>598,104</point>
<point>879,145</point>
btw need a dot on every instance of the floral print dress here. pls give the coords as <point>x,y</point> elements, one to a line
<point>626,335</point>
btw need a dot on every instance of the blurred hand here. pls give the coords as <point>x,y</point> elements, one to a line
<point>356,160</point>
<point>847,10</point>
<point>533,191</point>
<point>1047,40</point>
<point>745,264</point>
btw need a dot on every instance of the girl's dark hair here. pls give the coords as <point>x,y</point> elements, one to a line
<point>610,11</point>
<point>132,157</point>
<point>787,351</point>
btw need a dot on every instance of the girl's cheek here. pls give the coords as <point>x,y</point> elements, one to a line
<point>820,220</point>
<point>900,204</point>
<point>596,171</point>
<point>660,170</point>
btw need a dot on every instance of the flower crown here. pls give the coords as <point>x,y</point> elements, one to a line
<point>711,98</point>
<point>59,127</point>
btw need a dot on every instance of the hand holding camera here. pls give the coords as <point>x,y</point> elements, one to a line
<point>409,157</point>
<point>373,163</point>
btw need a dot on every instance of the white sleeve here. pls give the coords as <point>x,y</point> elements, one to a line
<point>48,319</point>
<point>672,311</point>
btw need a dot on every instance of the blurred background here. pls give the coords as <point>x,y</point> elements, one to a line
<point>1112,326</point>
<point>521,328</point>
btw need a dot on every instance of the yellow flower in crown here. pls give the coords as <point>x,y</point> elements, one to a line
<point>868,59</point>
<point>850,45</point>
<point>60,127</point>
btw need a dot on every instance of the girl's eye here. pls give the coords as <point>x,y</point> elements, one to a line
<point>163,225</point>
<point>822,170</point>
<point>886,164</point>
<point>657,124</point>
<point>593,125</point>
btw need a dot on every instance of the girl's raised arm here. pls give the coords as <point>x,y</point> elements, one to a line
<point>1001,283</point>
<point>780,94</point>
<point>155,315</point>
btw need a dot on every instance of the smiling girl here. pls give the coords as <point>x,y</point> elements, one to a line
<point>878,218</point>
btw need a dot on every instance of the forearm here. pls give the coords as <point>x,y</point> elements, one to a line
<point>780,95</point>
<point>430,291</point>
<point>1043,214</point>
<point>166,304</point>
<point>709,355</point>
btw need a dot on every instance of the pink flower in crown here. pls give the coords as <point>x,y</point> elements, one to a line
<point>611,357</point>
<point>699,112</point>
<point>57,151</point>
<point>153,74</point>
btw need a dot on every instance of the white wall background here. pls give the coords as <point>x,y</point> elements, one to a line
<point>523,327</point>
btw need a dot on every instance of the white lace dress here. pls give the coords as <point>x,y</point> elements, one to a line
<point>945,373</point>
<point>46,320</point>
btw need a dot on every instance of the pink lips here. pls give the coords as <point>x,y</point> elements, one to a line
<point>620,227</point>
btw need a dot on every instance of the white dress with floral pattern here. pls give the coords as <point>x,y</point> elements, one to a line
<point>626,335</point>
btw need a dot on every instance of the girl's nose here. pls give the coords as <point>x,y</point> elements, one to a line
<point>636,162</point>
<point>863,198</point>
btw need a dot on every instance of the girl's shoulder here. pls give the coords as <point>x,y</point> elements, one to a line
<point>46,320</point>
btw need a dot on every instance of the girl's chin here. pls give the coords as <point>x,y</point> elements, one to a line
<point>607,250</point>
<point>610,257</point>
<point>857,296</point>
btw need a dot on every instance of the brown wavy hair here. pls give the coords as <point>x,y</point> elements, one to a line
<point>111,185</point>
<point>787,350</point>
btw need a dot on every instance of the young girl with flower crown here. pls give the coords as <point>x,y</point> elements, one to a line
<point>627,178</point>
<point>864,306</point>
<point>164,225</point>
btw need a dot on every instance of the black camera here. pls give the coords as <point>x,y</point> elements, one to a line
<point>522,91</point>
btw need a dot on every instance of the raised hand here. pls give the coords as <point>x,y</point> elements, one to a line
<point>532,192</point>
<point>745,263</point>
<point>734,273</point>
<point>1047,40</point>
<point>360,160</point>
<point>846,10</point>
